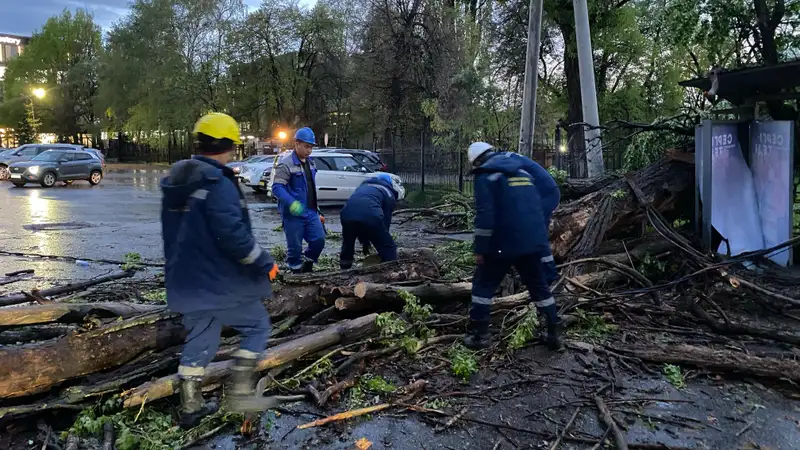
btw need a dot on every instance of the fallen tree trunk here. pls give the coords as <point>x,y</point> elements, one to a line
<point>71,312</point>
<point>36,368</point>
<point>373,296</point>
<point>579,227</point>
<point>24,298</point>
<point>718,360</point>
<point>276,356</point>
<point>306,295</point>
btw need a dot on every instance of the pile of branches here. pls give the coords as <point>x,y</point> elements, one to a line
<point>63,351</point>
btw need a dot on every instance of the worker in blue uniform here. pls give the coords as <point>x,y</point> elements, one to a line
<point>296,190</point>
<point>546,186</point>
<point>509,232</point>
<point>367,216</point>
<point>216,274</point>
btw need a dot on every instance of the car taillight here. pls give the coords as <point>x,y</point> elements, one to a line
<point>384,167</point>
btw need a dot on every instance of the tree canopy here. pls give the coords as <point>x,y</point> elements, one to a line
<point>382,72</point>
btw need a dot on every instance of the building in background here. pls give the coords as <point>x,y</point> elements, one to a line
<point>10,47</point>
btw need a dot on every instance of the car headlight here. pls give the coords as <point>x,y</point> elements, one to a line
<point>34,170</point>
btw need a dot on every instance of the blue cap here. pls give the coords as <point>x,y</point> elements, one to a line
<point>385,177</point>
<point>306,135</point>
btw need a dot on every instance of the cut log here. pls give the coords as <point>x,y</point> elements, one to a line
<point>23,298</point>
<point>276,356</point>
<point>381,296</point>
<point>306,295</point>
<point>71,312</point>
<point>36,368</point>
<point>718,360</point>
<point>578,227</point>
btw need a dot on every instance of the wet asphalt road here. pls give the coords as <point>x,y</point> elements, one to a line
<point>119,216</point>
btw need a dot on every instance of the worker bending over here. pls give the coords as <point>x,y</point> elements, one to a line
<point>216,274</point>
<point>509,231</point>
<point>546,186</point>
<point>296,191</point>
<point>367,216</point>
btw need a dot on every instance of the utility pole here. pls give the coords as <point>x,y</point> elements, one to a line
<point>594,147</point>
<point>531,78</point>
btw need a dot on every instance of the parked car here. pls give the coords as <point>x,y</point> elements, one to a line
<point>338,176</point>
<point>28,151</point>
<point>368,159</point>
<point>250,173</point>
<point>237,165</point>
<point>50,166</point>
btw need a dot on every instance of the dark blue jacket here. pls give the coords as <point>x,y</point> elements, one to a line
<point>545,184</point>
<point>508,212</point>
<point>374,199</point>
<point>212,259</point>
<point>290,183</point>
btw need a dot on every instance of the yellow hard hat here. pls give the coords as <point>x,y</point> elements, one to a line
<point>218,126</point>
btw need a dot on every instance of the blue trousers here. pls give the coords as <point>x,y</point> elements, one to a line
<point>490,274</point>
<point>303,228</point>
<point>251,320</point>
<point>369,231</point>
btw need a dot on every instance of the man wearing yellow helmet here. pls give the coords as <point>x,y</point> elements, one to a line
<point>216,274</point>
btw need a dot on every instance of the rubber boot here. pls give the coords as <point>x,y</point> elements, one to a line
<point>193,408</point>
<point>308,266</point>
<point>478,336</point>
<point>552,337</point>
<point>242,397</point>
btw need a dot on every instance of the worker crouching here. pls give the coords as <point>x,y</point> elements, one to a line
<point>510,232</point>
<point>216,274</point>
<point>295,188</point>
<point>367,216</point>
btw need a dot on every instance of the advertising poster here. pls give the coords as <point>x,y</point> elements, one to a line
<point>771,165</point>
<point>734,208</point>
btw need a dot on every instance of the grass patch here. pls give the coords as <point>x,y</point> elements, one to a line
<point>278,228</point>
<point>278,253</point>
<point>463,362</point>
<point>591,327</point>
<point>156,296</point>
<point>674,375</point>
<point>132,261</point>
<point>377,384</point>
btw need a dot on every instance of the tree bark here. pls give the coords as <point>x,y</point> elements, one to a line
<point>37,368</point>
<point>35,333</point>
<point>276,356</point>
<point>374,296</point>
<point>719,360</point>
<point>579,227</point>
<point>71,312</point>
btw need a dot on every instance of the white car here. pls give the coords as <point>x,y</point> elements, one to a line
<point>338,176</point>
<point>250,173</point>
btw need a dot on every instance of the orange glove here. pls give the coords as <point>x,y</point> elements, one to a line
<point>273,273</point>
<point>322,219</point>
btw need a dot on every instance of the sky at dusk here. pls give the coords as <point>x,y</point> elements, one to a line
<point>23,17</point>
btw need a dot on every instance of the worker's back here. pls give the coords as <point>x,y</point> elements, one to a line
<point>508,210</point>
<point>374,198</point>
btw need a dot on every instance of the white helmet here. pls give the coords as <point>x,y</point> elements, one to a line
<point>477,149</point>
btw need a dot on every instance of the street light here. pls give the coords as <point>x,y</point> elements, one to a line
<point>282,135</point>
<point>39,93</point>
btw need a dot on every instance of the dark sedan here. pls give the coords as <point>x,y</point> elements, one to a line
<point>57,165</point>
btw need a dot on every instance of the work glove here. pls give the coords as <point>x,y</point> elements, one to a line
<point>322,218</point>
<point>273,273</point>
<point>297,208</point>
